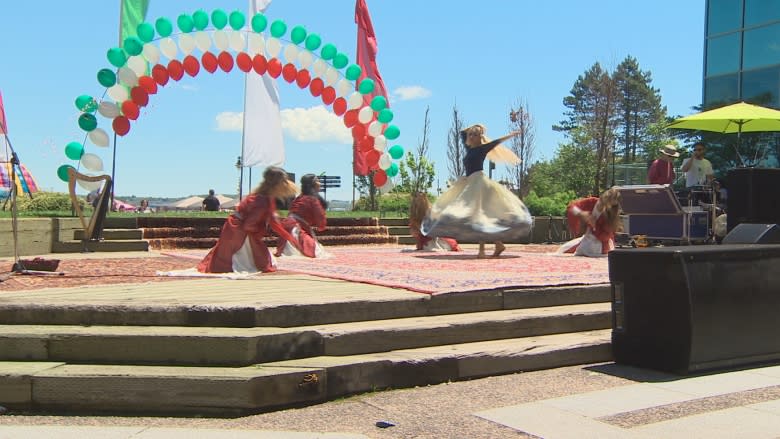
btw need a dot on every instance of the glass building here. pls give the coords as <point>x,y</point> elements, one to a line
<point>742,52</point>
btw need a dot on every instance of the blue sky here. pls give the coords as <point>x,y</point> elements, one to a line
<point>484,58</point>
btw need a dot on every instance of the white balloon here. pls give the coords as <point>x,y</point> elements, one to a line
<point>380,142</point>
<point>387,187</point>
<point>385,161</point>
<point>365,115</point>
<point>127,77</point>
<point>319,67</point>
<point>237,41</point>
<point>108,109</point>
<point>305,58</point>
<point>168,48</point>
<point>99,137</point>
<point>151,53</point>
<point>221,40</point>
<point>118,93</point>
<point>355,100</point>
<point>375,128</point>
<point>92,162</point>
<point>186,43</point>
<point>256,44</point>
<point>344,87</point>
<point>273,45</point>
<point>331,76</point>
<point>291,53</point>
<point>137,64</point>
<point>89,185</point>
<point>202,40</point>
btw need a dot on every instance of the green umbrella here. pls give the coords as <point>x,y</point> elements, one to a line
<point>736,118</point>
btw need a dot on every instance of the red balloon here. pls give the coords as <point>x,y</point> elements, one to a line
<point>316,87</point>
<point>328,95</point>
<point>274,67</point>
<point>289,72</point>
<point>259,64</point>
<point>372,159</point>
<point>148,84</point>
<point>130,110</point>
<point>380,178</point>
<point>191,65</point>
<point>121,125</point>
<point>358,131</point>
<point>302,78</point>
<point>209,62</point>
<point>139,96</point>
<point>160,74</point>
<point>175,69</point>
<point>244,62</point>
<point>366,144</point>
<point>225,61</point>
<point>339,106</point>
<point>350,118</point>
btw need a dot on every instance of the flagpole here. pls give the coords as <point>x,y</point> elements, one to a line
<point>113,158</point>
<point>243,133</point>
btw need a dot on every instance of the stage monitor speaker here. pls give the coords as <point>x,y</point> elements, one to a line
<point>753,196</point>
<point>692,308</point>
<point>753,234</point>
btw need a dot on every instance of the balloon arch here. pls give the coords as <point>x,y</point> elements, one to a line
<point>139,71</point>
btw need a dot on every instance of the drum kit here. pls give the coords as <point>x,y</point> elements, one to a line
<point>704,198</point>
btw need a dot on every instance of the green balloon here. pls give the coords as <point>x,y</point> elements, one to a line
<point>86,103</point>
<point>164,27</point>
<point>62,172</point>
<point>185,23</point>
<point>200,19</point>
<point>392,171</point>
<point>145,32</point>
<point>328,51</point>
<point>379,103</point>
<point>116,57</point>
<point>278,28</point>
<point>237,20</point>
<point>366,86</point>
<point>259,23</point>
<point>392,132</point>
<point>106,77</point>
<point>313,41</point>
<point>353,72</point>
<point>74,150</point>
<point>385,115</point>
<point>396,151</point>
<point>133,46</point>
<point>340,61</point>
<point>298,34</point>
<point>219,18</point>
<point>87,122</point>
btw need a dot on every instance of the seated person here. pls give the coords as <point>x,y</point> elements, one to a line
<point>601,217</point>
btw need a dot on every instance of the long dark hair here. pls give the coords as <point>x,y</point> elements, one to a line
<point>307,188</point>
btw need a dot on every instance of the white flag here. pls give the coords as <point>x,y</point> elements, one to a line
<point>263,143</point>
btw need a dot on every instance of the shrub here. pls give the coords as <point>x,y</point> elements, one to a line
<point>554,205</point>
<point>45,201</point>
<point>391,202</point>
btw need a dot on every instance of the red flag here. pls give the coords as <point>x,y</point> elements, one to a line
<point>3,128</point>
<point>366,59</point>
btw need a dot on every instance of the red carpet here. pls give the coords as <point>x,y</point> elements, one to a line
<point>446,272</point>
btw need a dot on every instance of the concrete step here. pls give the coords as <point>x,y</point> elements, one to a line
<point>276,313</point>
<point>232,391</point>
<point>114,234</point>
<point>121,245</point>
<point>399,230</point>
<point>394,222</point>
<point>244,346</point>
<point>407,240</point>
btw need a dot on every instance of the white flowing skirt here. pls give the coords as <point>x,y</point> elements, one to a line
<point>477,208</point>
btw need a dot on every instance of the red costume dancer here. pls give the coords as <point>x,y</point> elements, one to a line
<point>419,209</point>
<point>602,221</point>
<point>307,215</point>
<point>241,247</point>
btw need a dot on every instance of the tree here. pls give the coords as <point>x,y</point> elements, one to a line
<point>456,150</point>
<point>572,169</point>
<point>522,145</point>
<point>368,190</point>
<point>417,170</point>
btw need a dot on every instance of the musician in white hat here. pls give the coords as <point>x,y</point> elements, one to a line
<point>662,169</point>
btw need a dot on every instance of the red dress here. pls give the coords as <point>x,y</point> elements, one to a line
<point>307,215</point>
<point>600,233</point>
<point>251,221</point>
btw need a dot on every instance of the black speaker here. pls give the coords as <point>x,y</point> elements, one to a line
<point>753,196</point>
<point>692,308</point>
<point>753,234</point>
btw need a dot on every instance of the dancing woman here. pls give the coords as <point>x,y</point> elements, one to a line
<point>241,247</point>
<point>601,216</point>
<point>476,208</point>
<point>306,216</point>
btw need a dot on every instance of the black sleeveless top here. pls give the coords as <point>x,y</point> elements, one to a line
<point>475,157</point>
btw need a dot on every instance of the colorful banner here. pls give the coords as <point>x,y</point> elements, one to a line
<point>132,14</point>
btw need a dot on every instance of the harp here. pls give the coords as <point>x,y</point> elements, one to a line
<point>93,229</point>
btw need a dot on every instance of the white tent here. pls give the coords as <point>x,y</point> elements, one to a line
<point>196,202</point>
